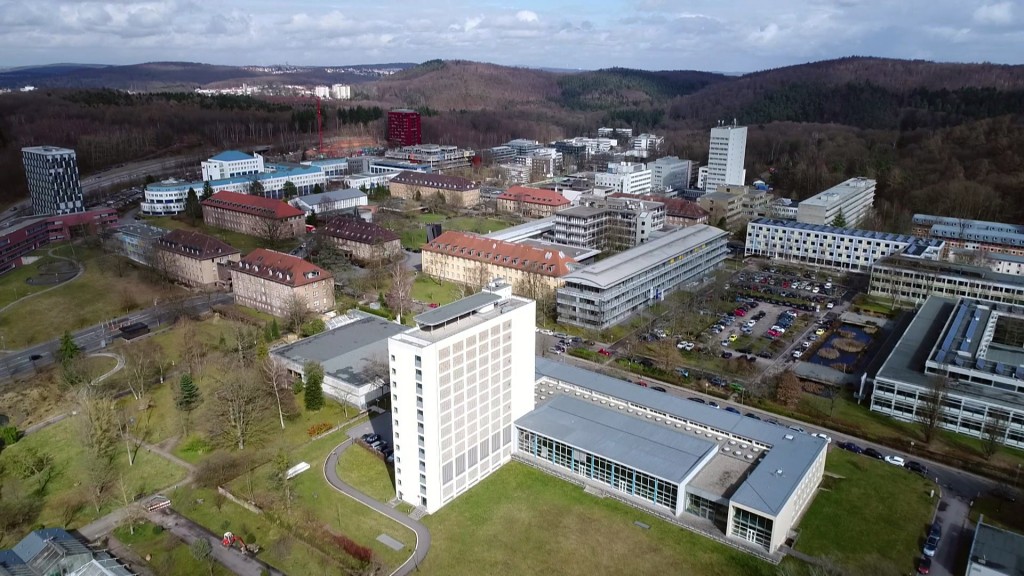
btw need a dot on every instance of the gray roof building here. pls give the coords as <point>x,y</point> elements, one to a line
<point>995,552</point>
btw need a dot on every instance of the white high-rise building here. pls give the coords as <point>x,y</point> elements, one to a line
<point>725,156</point>
<point>458,382</point>
<point>341,91</point>
<point>52,176</point>
<point>670,172</point>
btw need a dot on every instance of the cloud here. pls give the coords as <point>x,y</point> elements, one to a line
<point>764,34</point>
<point>999,14</point>
<point>527,16</point>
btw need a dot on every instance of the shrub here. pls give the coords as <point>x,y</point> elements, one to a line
<point>848,345</point>
<point>312,327</point>
<point>828,353</point>
<point>318,429</point>
<point>158,529</point>
<point>360,553</point>
<point>197,445</point>
<point>9,435</point>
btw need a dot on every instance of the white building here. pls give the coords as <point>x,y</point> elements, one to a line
<point>458,382</point>
<point>604,132</point>
<point>341,91</point>
<point>322,91</point>
<point>852,199</point>
<point>726,156</point>
<point>52,177</point>
<point>366,180</point>
<point>327,202</point>
<point>230,164</point>
<point>646,144</point>
<point>522,146</point>
<point>669,172</point>
<point>625,178</point>
<point>844,248</point>
<point>702,178</point>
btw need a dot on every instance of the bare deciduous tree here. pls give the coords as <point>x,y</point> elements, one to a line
<point>399,297</point>
<point>241,403</point>
<point>930,406</point>
<point>296,313</point>
<point>141,361</point>
<point>275,377</point>
<point>993,433</point>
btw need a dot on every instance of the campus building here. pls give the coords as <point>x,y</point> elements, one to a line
<point>670,173</point>
<point>459,380</point>
<point>354,356</point>
<point>192,258</point>
<point>254,215</point>
<point>908,281</point>
<point>624,177</point>
<point>273,282</point>
<point>22,236</point>
<point>327,203</point>
<point>726,154</point>
<point>52,176</point>
<point>608,222</point>
<point>472,260</point>
<point>722,474</point>
<point>977,235</point>
<point>531,202</point>
<point>843,248</point>
<point>612,290</point>
<point>231,164</point>
<point>678,211</point>
<point>363,241</point>
<point>724,208</point>
<point>456,191</point>
<point>440,158</point>
<point>969,351</point>
<point>404,128</point>
<point>51,551</point>
<point>995,551</point>
<point>848,201</point>
<point>137,241</point>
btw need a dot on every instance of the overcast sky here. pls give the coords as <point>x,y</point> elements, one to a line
<point>718,35</point>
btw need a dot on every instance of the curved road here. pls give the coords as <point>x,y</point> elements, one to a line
<point>422,535</point>
<point>117,367</point>
<point>77,275</point>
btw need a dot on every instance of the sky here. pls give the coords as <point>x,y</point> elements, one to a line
<point>715,35</point>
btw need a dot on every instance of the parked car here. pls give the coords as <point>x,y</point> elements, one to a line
<point>931,546</point>
<point>896,461</point>
<point>556,349</point>
<point>371,438</point>
<point>924,565</point>
<point>685,373</point>
<point>872,453</point>
<point>731,409</point>
<point>641,383</point>
<point>658,388</point>
<point>823,436</point>
<point>935,529</point>
<point>914,466</point>
<point>752,415</point>
<point>695,399</point>
<point>798,429</point>
<point>850,447</point>
<point>726,355</point>
<point>712,403</point>
<point>604,352</point>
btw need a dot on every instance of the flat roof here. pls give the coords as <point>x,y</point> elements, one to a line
<point>767,487</point>
<point>1000,550</point>
<point>346,351</point>
<point>48,150</point>
<point>650,448</point>
<point>906,360</point>
<point>974,230</point>
<point>943,267</point>
<point>884,236</point>
<point>333,196</point>
<point>839,192</point>
<point>577,253</point>
<point>232,156</point>
<point>456,309</point>
<point>629,263</point>
<point>532,228</point>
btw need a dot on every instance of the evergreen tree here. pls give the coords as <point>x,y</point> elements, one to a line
<point>313,390</point>
<point>207,190</point>
<point>290,189</point>
<point>317,189</point>
<point>68,350</point>
<point>311,219</point>
<point>275,329</point>
<point>193,209</point>
<point>256,188</point>
<point>188,398</point>
<point>840,220</point>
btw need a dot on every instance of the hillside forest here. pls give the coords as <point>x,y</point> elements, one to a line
<point>940,138</point>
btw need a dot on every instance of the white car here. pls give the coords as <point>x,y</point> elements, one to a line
<point>798,353</point>
<point>547,332</point>
<point>830,305</point>
<point>823,436</point>
<point>896,460</point>
<point>689,346</point>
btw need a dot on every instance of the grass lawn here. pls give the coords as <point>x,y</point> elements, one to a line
<point>168,555</point>
<point>417,235</point>
<point>427,289</point>
<point>62,441</point>
<point>13,285</point>
<point>243,242</point>
<point>850,515</point>
<point>367,473</point>
<point>98,295</point>
<point>522,521</point>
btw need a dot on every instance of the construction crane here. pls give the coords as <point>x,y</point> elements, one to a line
<point>319,128</point>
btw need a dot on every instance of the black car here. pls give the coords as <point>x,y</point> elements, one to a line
<point>766,355</point>
<point>916,467</point>
<point>872,453</point>
<point>712,403</point>
<point>370,438</point>
<point>718,381</point>
<point>658,388</point>
<point>695,399</point>
<point>727,355</point>
<point>850,447</point>
<point>752,415</point>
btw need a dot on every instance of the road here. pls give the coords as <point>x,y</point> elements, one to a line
<point>135,171</point>
<point>422,535</point>
<point>97,337</point>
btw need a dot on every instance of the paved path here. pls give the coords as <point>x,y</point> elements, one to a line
<point>55,286</point>
<point>422,535</point>
<point>117,368</point>
<point>231,558</point>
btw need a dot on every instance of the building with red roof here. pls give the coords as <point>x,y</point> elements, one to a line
<point>678,211</point>
<point>532,202</point>
<point>362,241</point>
<point>275,282</point>
<point>254,215</point>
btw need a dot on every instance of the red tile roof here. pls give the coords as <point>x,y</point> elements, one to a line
<point>500,253</point>
<point>534,196</point>
<point>358,230</point>
<point>195,245</point>
<point>281,268</point>
<point>255,205</point>
<point>674,207</point>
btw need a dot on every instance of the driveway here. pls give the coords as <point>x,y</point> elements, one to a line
<point>380,424</point>
<point>231,558</point>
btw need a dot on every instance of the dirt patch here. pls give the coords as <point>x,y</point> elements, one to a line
<point>53,273</point>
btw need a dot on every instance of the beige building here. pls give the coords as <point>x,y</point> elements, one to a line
<point>271,281</point>
<point>254,215</point>
<point>472,260</point>
<point>192,258</point>
<point>457,191</point>
<point>723,206</point>
<point>532,202</point>
<point>362,241</point>
<point>678,211</point>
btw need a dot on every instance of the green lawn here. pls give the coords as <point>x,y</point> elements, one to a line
<point>63,442</point>
<point>522,521</point>
<point>427,289</point>
<point>243,242</point>
<point>871,517</point>
<point>366,473</point>
<point>13,285</point>
<point>416,236</point>
<point>168,556</point>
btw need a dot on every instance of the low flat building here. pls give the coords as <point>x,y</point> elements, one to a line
<point>842,248</point>
<point>978,235</point>
<point>21,237</point>
<point>685,462</point>
<point>970,348</point>
<point>612,290</point>
<point>532,202</point>
<point>725,208</point>
<point>847,202</point>
<point>626,178</point>
<point>137,241</point>
<point>254,215</point>
<point>995,551</point>
<point>607,223</point>
<point>274,282</point>
<point>456,191</point>
<point>530,229</point>
<point>679,212</point>
<point>363,241</point>
<point>908,281</point>
<point>440,158</point>
<point>192,258</point>
<point>472,260</point>
<point>327,203</point>
<point>66,226</point>
<point>367,180</point>
<point>354,357</point>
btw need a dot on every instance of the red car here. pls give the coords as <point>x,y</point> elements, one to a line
<point>641,383</point>
<point>434,304</point>
<point>740,312</point>
<point>604,352</point>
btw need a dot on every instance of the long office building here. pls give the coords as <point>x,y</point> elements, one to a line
<point>459,380</point>
<point>689,463</point>
<point>843,248</point>
<point>440,158</point>
<point>670,173</point>
<point>612,290</point>
<point>974,350</point>
<point>977,235</point>
<point>625,177</point>
<point>608,223</point>
<point>52,176</point>
<point>908,282</point>
<point>847,201</point>
<point>726,154</point>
